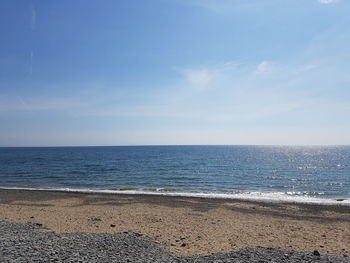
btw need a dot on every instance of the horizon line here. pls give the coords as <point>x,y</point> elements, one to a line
<point>167,145</point>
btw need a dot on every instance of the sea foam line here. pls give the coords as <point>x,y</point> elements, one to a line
<point>268,197</point>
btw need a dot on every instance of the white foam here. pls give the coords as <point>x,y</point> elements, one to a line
<point>268,197</point>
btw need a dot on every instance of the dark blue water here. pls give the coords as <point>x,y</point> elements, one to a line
<point>321,172</point>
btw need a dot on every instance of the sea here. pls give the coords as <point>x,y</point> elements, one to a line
<point>319,174</point>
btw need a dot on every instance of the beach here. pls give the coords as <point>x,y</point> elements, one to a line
<point>186,226</point>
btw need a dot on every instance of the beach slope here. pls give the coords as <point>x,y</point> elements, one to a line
<point>185,226</point>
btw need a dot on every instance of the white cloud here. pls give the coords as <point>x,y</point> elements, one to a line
<point>223,6</point>
<point>198,77</point>
<point>265,67</point>
<point>212,77</point>
<point>327,1</point>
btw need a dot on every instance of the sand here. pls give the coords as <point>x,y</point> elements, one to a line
<point>186,226</point>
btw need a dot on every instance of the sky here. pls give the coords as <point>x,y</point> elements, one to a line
<point>174,72</point>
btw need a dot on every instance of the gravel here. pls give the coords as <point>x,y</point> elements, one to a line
<point>24,243</point>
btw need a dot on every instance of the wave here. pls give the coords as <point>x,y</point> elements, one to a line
<point>143,189</point>
<point>268,197</point>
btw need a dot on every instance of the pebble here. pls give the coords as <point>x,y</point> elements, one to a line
<point>23,243</point>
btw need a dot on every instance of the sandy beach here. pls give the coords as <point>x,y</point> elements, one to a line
<point>186,226</point>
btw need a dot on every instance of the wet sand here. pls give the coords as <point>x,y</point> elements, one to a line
<point>186,226</point>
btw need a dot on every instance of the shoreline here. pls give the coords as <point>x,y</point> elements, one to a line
<point>259,197</point>
<point>186,225</point>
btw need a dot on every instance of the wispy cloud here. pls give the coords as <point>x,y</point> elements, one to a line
<point>36,104</point>
<point>265,67</point>
<point>222,6</point>
<point>327,1</point>
<point>72,97</point>
<point>297,90</point>
<point>31,56</point>
<point>33,18</point>
<point>198,78</point>
<point>231,92</point>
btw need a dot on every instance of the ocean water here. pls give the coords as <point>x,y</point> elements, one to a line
<point>266,173</point>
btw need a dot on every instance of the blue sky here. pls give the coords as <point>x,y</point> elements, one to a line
<point>174,72</point>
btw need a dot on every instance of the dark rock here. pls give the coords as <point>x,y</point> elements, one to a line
<point>183,244</point>
<point>316,253</point>
<point>112,225</point>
